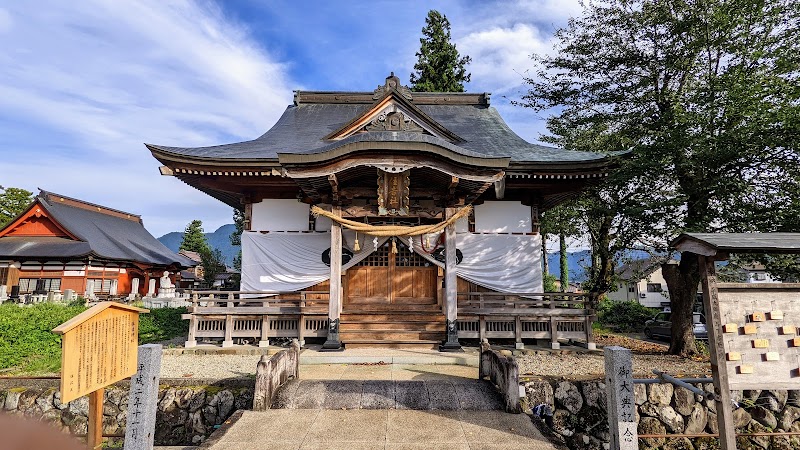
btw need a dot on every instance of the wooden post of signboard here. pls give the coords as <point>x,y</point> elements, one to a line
<point>98,348</point>
<point>722,391</point>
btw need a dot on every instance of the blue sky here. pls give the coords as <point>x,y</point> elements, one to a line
<point>84,84</point>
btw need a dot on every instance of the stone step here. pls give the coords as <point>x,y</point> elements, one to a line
<point>454,393</point>
<point>405,325</point>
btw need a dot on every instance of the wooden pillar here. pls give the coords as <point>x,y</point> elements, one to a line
<point>722,391</point>
<point>450,287</point>
<point>94,434</point>
<point>554,333</point>
<point>334,304</point>
<point>228,342</point>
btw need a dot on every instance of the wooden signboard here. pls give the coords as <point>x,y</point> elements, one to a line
<point>393,189</point>
<point>98,348</point>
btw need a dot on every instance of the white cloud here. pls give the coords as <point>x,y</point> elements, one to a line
<point>107,76</point>
<point>502,56</point>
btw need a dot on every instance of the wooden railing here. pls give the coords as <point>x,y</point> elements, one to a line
<point>256,315</point>
<point>553,316</point>
<point>259,316</point>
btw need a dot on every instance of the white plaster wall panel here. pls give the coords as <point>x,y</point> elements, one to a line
<point>502,217</point>
<point>322,224</point>
<point>279,215</point>
<point>462,225</point>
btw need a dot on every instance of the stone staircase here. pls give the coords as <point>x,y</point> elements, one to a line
<point>452,395</point>
<point>392,326</point>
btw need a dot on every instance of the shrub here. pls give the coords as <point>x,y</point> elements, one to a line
<point>26,339</point>
<point>28,345</point>
<point>162,324</point>
<point>550,283</point>
<point>624,317</point>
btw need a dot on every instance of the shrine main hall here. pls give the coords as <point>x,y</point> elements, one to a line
<point>388,218</point>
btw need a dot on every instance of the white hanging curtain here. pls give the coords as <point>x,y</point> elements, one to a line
<point>288,262</point>
<point>501,262</point>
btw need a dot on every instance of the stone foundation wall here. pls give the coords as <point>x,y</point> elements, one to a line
<point>188,411</point>
<point>579,415</point>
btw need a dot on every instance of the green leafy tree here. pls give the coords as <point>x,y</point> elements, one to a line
<point>439,66</point>
<point>193,238</point>
<point>705,94</point>
<point>213,264</point>
<point>13,202</point>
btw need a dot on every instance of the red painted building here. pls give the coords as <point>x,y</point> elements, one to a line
<point>62,243</point>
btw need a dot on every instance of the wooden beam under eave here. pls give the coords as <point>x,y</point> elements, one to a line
<point>334,188</point>
<point>451,189</point>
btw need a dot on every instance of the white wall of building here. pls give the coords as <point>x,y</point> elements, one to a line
<point>639,291</point>
<point>502,217</point>
<point>280,215</point>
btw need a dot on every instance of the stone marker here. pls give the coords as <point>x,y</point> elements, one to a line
<point>151,288</point>
<point>143,399</point>
<point>621,403</point>
<point>69,295</point>
<point>134,289</point>
<point>3,293</point>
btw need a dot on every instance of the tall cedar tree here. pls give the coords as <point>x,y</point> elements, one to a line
<point>706,95</point>
<point>562,221</point>
<point>13,202</point>
<point>439,67</point>
<point>236,240</point>
<point>193,238</point>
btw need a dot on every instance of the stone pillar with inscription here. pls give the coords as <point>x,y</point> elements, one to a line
<point>621,404</point>
<point>151,287</point>
<point>450,288</point>
<point>143,399</point>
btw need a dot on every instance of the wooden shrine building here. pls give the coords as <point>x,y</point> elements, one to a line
<point>383,165</point>
<point>62,243</point>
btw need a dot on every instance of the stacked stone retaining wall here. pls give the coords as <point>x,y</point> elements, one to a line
<point>579,415</point>
<point>188,410</point>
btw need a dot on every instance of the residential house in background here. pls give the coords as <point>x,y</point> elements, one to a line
<point>641,280</point>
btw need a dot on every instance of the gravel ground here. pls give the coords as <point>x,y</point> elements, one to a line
<point>208,366</point>
<point>585,366</point>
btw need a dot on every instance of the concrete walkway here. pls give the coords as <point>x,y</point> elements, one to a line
<point>378,429</point>
<point>392,406</point>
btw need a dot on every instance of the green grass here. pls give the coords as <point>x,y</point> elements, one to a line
<point>28,347</point>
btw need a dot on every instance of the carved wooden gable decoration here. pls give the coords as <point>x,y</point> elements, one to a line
<point>394,110</point>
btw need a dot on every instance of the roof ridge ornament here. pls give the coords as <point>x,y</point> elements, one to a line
<point>392,83</point>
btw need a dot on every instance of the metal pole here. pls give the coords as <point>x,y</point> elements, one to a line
<point>683,384</point>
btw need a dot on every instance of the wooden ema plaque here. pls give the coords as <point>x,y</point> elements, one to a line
<point>98,348</point>
<point>764,352</point>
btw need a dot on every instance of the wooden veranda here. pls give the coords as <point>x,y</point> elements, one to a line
<point>256,317</point>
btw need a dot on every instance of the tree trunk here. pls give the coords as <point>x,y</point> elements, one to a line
<point>564,265</point>
<point>682,281</point>
<point>545,263</point>
<point>602,261</point>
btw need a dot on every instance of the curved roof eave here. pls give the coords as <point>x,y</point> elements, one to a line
<point>394,141</point>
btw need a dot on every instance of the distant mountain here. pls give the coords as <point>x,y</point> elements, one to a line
<point>219,239</point>
<point>579,262</point>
